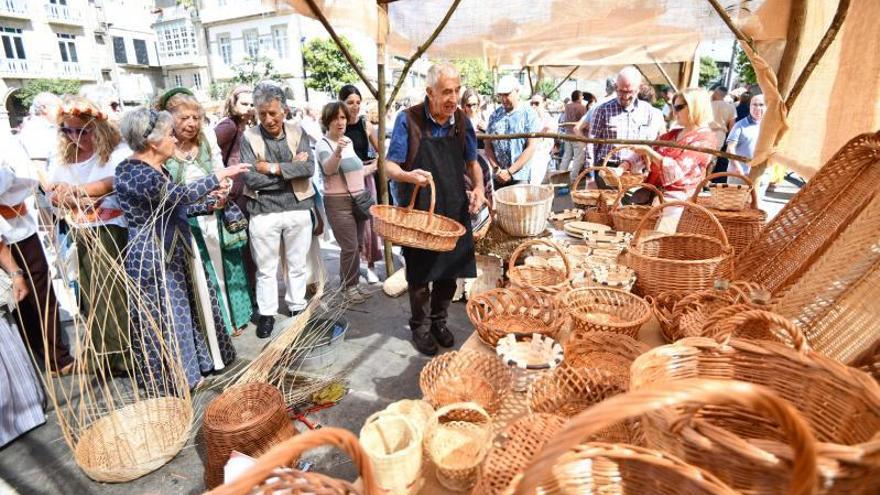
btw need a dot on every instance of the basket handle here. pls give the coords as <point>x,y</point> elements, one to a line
<point>644,185</point>
<point>728,174</point>
<point>686,204</point>
<point>581,176</point>
<point>725,325</point>
<point>614,149</point>
<point>289,450</point>
<point>533,242</point>
<point>690,392</point>
<point>415,193</point>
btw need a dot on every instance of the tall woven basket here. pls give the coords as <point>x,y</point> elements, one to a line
<point>249,418</point>
<point>416,228</point>
<point>457,440</point>
<point>394,445</point>
<point>840,404</point>
<point>521,210</point>
<point>568,463</point>
<point>628,218</point>
<point>741,226</point>
<point>679,262</point>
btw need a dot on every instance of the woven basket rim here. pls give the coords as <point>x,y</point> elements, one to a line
<point>555,359</point>
<point>459,229</point>
<point>498,197</point>
<point>379,415</point>
<point>626,294</point>
<point>633,250</point>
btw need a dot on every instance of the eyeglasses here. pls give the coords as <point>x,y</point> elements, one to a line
<point>472,105</point>
<point>154,117</point>
<point>75,131</point>
<point>535,104</point>
<point>679,107</point>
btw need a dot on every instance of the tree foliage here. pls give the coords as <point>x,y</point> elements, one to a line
<point>744,68</point>
<point>326,66</point>
<point>475,74</point>
<point>547,87</point>
<point>219,90</point>
<point>34,87</point>
<point>255,69</point>
<point>709,71</point>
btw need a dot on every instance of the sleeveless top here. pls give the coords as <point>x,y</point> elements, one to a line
<point>357,132</point>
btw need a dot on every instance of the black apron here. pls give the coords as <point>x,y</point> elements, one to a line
<point>443,157</point>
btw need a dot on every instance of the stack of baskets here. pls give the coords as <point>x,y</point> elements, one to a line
<point>522,210</point>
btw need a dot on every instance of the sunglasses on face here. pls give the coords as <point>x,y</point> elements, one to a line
<point>535,104</point>
<point>679,107</point>
<point>75,131</point>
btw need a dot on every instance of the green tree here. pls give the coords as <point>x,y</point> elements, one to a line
<point>326,66</point>
<point>219,89</point>
<point>34,87</point>
<point>474,74</point>
<point>744,68</point>
<point>253,70</point>
<point>709,72</point>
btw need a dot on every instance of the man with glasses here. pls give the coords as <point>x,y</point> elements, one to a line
<point>509,158</point>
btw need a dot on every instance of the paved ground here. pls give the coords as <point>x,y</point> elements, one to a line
<point>385,368</point>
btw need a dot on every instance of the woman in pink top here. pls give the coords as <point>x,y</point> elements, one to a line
<point>343,179</point>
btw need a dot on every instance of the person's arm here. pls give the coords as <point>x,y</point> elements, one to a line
<point>255,179</point>
<point>225,133</point>
<point>396,155</point>
<point>477,194</point>
<point>7,262</point>
<point>732,141</point>
<point>302,164</point>
<point>489,149</point>
<point>372,134</point>
<point>532,125</point>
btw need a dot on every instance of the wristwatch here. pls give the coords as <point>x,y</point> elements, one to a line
<point>275,169</point>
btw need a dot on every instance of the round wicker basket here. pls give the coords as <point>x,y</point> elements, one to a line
<point>521,210</point>
<point>416,228</point>
<point>628,218</point>
<point>567,391</point>
<point>609,351</point>
<point>595,309</point>
<point>540,278</point>
<point>465,376</point>
<point>457,440</point>
<point>498,312</point>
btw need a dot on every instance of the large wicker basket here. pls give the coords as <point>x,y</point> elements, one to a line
<point>841,405</point>
<point>522,209</point>
<point>416,228</point>
<point>568,465</point>
<point>679,262</point>
<point>249,418</point>
<point>544,278</point>
<point>600,309</point>
<point>497,312</point>
<point>394,445</point>
<point>628,218</point>
<point>457,439</point>
<point>465,376</point>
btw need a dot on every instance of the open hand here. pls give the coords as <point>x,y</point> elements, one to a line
<point>476,199</point>
<point>19,287</point>
<point>233,171</point>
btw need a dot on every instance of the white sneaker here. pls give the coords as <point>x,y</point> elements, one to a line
<point>353,296</point>
<point>371,277</point>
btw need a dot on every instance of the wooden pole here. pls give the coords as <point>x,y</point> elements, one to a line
<point>323,19</point>
<point>665,75</point>
<point>383,131</point>
<point>531,84</point>
<point>730,24</point>
<point>422,48</point>
<point>566,78</point>
<point>796,23</point>
<point>644,76</point>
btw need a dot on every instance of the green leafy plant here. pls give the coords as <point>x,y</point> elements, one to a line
<point>220,89</point>
<point>34,87</point>
<point>253,70</point>
<point>547,87</point>
<point>475,74</point>
<point>326,66</point>
<point>709,71</point>
<point>744,68</point>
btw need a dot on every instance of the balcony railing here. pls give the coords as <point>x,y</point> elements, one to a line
<point>14,7</point>
<point>16,67</point>
<point>62,13</point>
<point>70,70</point>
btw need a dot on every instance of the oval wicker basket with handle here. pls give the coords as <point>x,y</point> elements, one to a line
<point>600,309</point>
<point>586,197</point>
<point>465,376</point>
<point>521,210</point>
<point>625,181</point>
<point>273,472</point>
<point>394,446</point>
<point>628,218</point>
<point>840,404</point>
<point>497,312</point>
<point>567,464</point>
<point>679,262</point>
<point>540,278</point>
<point>457,439</point>
<point>416,228</point>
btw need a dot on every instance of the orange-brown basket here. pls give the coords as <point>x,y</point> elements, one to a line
<point>416,228</point>
<point>600,309</point>
<point>609,351</point>
<point>586,197</point>
<point>498,312</point>
<point>621,182</point>
<point>728,197</point>
<point>543,278</point>
<point>466,376</point>
<point>628,218</point>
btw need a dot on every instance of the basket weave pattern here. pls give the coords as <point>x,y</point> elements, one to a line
<point>628,218</point>
<point>465,376</point>
<point>606,350</point>
<point>595,309</point>
<point>522,210</point>
<point>457,440</point>
<point>497,312</point>
<point>544,278</point>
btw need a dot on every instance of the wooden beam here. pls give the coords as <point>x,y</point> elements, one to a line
<point>644,76</point>
<point>665,75</point>
<point>566,78</point>
<point>796,26</point>
<point>531,84</point>
<point>730,24</point>
<point>382,185</point>
<point>421,49</point>
<point>351,61</point>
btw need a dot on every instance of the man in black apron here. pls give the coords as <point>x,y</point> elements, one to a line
<point>436,139</point>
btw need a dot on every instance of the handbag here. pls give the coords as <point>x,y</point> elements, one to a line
<point>360,204</point>
<point>234,219</point>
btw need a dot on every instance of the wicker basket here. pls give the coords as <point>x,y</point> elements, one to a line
<point>628,218</point>
<point>418,412</point>
<point>457,440</point>
<point>679,262</point>
<point>741,226</point>
<point>465,376</point>
<point>416,228</point>
<point>539,278</point>
<point>273,473</point>
<point>621,182</point>
<point>249,418</point>
<point>522,209</point>
<point>585,197</point>
<point>498,312</point>
<point>568,465</point>
<point>595,309</point>
<point>567,391</point>
<point>662,306</point>
<point>609,351</point>
<point>694,311</point>
<point>523,439</point>
<point>729,197</point>
<point>394,446</point>
<point>600,213</point>
<point>841,405</point>
<point>527,356</point>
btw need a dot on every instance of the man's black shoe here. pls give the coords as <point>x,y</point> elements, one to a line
<point>265,324</point>
<point>423,342</point>
<point>442,334</point>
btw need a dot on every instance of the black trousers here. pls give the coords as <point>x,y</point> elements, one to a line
<point>430,304</point>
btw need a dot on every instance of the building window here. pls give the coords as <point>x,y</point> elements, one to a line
<point>119,50</point>
<point>176,39</point>
<point>197,80</point>
<point>58,2</point>
<point>99,39</point>
<point>178,80</point>
<point>13,43</point>
<point>251,43</point>
<point>140,52</point>
<point>224,46</point>
<point>221,3</point>
<point>67,46</point>
<point>279,40</point>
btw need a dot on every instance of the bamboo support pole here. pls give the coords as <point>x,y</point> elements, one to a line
<point>644,76</point>
<point>796,23</point>
<point>566,78</point>
<point>730,24</point>
<point>383,131</point>
<point>665,75</point>
<point>531,84</point>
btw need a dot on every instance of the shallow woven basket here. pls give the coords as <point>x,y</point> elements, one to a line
<point>273,473</point>
<point>394,446</point>
<point>154,432</point>
<point>609,351</point>
<point>522,440</point>
<point>528,355</point>
<point>679,262</point>
<point>567,464</point>
<point>599,309</point>
<point>540,278</point>
<point>522,209</point>
<point>249,418</point>
<point>728,197</point>
<point>840,404</point>
<point>417,228</point>
<point>742,226</point>
<point>613,277</point>
<point>585,197</point>
<point>628,218</point>
<point>497,312</point>
<point>625,181</point>
<point>457,439</point>
<point>465,376</point>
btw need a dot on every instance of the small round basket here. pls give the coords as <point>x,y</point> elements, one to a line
<point>540,278</point>
<point>595,309</point>
<point>628,218</point>
<point>394,446</point>
<point>465,375</point>
<point>522,210</point>
<point>498,312</point>
<point>609,351</point>
<point>528,355</point>
<point>417,228</point>
<point>457,439</point>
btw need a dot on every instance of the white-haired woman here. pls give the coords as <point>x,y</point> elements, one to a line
<point>158,261</point>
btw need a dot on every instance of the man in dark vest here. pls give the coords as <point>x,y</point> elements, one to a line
<point>435,139</point>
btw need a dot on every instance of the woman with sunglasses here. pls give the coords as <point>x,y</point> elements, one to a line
<point>81,186</point>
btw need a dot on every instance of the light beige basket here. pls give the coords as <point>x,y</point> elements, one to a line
<point>729,197</point>
<point>457,439</point>
<point>586,197</point>
<point>394,446</point>
<point>418,412</point>
<point>540,278</point>
<point>522,210</point>
<point>528,355</point>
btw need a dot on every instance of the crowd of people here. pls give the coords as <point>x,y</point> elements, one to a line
<point>194,222</point>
